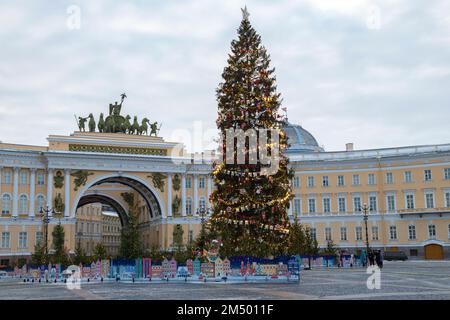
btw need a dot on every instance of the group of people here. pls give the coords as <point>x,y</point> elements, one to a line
<point>375,257</point>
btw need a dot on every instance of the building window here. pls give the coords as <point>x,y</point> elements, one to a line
<point>341,203</point>
<point>314,234</point>
<point>409,201</point>
<point>371,179</point>
<point>23,240</point>
<point>356,204</point>
<point>39,237</point>
<point>372,203</point>
<point>447,199</point>
<point>312,205</point>
<point>40,179</point>
<point>40,203</point>
<point>343,234</point>
<point>413,252</point>
<point>326,205</point>
<point>188,206</point>
<point>432,231</point>
<point>449,231</point>
<point>310,182</point>
<point>23,204</point>
<point>427,175</point>
<point>412,232</point>
<point>325,181</point>
<point>375,233</point>
<point>429,199</point>
<point>355,179</point>
<point>297,206</point>
<point>328,234</point>
<point>341,181</point>
<point>447,173</point>
<point>191,235</point>
<point>202,203</point>
<point>6,177</point>
<point>23,177</point>
<point>389,178</point>
<point>296,182</point>
<point>358,233</point>
<point>408,176</point>
<point>6,236</point>
<point>390,199</point>
<point>201,183</point>
<point>82,227</point>
<point>6,203</point>
<point>393,232</point>
<point>188,182</point>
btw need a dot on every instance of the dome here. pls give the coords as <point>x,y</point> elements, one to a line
<point>300,140</point>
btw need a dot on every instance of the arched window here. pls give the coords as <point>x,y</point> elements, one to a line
<point>23,204</point>
<point>202,203</point>
<point>40,203</point>
<point>6,203</point>
<point>188,206</point>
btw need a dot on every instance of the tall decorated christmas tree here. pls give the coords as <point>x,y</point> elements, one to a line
<point>252,192</point>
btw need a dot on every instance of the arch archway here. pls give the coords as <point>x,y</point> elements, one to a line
<point>101,198</point>
<point>150,196</point>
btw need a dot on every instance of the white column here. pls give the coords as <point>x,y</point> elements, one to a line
<point>50,189</point>
<point>195,204</point>
<point>183,195</point>
<point>16,192</point>
<point>291,207</point>
<point>169,195</point>
<point>32,190</point>
<point>66,193</point>
<point>1,180</point>
<point>209,191</point>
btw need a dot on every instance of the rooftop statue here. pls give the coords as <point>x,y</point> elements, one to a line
<point>116,123</point>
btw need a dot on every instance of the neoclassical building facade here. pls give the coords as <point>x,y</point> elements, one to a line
<point>407,190</point>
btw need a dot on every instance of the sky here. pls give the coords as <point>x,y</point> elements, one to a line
<point>375,73</point>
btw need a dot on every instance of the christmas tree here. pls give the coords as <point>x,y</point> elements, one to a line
<point>251,198</point>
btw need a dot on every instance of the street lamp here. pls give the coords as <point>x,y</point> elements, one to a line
<point>46,221</point>
<point>201,211</point>
<point>366,217</point>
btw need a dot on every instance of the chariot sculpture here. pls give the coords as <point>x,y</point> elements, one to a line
<point>116,123</point>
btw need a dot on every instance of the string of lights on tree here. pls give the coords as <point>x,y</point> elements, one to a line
<point>249,207</point>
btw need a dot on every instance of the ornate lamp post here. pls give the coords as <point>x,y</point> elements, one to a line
<point>46,221</point>
<point>201,211</point>
<point>366,217</point>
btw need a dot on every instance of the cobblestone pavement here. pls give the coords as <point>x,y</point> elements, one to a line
<point>399,280</point>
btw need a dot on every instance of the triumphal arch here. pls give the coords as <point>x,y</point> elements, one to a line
<point>105,161</point>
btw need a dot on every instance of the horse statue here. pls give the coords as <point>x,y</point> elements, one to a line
<point>126,124</point>
<point>91,123</point>
<point>143,129</point>
<point>101,124</point>
<point>154,128</point>
<point>134,129</point>
<point>110,124</point>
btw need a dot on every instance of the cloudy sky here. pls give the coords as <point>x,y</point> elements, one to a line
<point>376,73</point>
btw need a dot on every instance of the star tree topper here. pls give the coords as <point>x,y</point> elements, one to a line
<point>245,13</point>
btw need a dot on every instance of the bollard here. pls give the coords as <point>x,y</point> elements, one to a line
<point>88,280</point>
<point>32,280</point>
<point>101,279</point>
<point>24,280</point>
<point>39,280</point>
